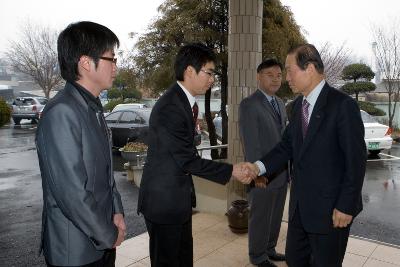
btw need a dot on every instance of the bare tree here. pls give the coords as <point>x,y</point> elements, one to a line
<point>387,57</point>
<point>335,59</point>
<point>35,54</point>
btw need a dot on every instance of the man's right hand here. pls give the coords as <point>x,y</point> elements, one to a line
<point>244,172</point>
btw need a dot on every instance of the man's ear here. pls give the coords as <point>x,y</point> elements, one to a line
<point>189,71</point>
<point>85,63</point>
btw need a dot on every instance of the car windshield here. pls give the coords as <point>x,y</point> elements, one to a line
<point>366,118</point>
<point>43,101</point>
<point>145,114</point>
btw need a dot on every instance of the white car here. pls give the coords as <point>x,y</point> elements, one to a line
<point>129,106</point>
<point>377,136</point>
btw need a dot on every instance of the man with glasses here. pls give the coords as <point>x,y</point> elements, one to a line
<point>82,219</point>
<point>166,195</point>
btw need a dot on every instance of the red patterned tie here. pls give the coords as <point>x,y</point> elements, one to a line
<point>304,117</point>
<point>195,110</point>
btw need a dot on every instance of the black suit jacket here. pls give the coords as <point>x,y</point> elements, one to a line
<point>166,186</point>
<point>329,164</point>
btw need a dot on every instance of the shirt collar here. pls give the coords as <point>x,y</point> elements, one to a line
<point>90,99</point>
<point>313,95</point>
<point>189,96</point>
<point>266,95</point>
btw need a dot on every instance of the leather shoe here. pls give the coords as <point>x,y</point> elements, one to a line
<point>277,257</point>
<point>267,263</point>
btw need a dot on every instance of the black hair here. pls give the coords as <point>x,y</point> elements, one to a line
<point>269,62</point>
<point>82,38</point>
<point>195,55</point>
<point>307,54</point>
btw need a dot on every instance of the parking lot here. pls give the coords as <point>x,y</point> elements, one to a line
<point>21,198</point>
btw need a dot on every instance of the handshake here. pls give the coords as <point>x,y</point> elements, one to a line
<point>245,172</point>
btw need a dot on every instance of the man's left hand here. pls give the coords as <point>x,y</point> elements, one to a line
<point>341,219</point>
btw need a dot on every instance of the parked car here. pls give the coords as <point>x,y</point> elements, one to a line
<point>377,135</point>
<point>28,108</point>
<point>130,125</point>
<point>129,106</point>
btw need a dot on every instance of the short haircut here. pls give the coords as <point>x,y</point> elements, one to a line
<point>307,54</point>
<point>269,62</point>
<point>83,38</point>
<point>195,55</point>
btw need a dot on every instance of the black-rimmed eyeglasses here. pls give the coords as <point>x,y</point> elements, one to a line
<point>210,73</point>
<point>112,59</point>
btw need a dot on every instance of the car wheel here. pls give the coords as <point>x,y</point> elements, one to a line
<point>375,152</point>
<point>17,121</point>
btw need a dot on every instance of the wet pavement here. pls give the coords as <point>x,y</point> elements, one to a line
<point>21,198</point>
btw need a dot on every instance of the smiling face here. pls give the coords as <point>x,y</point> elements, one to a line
<point>270,79</point>
<point>199,83</point>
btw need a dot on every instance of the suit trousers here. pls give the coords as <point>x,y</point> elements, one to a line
<point>316,250</point>
<point>171,245</point>
<point>265,218</point>
<point>108,260</point>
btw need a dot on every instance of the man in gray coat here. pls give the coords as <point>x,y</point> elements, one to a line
<point>262,120</point>
<point>82,219</point>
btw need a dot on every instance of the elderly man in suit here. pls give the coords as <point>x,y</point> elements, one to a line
<point>82,220</point>
<point>166,193</point>
<point>262,120</point>
<point>325,140</point>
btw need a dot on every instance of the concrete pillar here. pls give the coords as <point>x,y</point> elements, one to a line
<point>244,55</point>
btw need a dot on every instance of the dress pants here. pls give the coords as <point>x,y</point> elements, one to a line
<point>171,245</point>
<point>316,250</point>
<point>108,260</point>
<point>265,218</point>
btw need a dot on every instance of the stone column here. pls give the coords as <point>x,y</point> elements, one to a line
<point>244,55</point>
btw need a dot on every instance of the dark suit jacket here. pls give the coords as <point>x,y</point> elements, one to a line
<point>329,165</point>
<point>172,158</point>
<point>79,193</point>
<point>261,129</point>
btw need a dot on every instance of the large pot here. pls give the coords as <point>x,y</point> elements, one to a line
<point>133,156</point>
<point>238,215</point>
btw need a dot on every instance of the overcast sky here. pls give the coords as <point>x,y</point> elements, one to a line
<point>344,21</point>
<point>335,21</point>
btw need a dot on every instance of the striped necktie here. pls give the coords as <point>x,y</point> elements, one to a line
<point>304,117</point>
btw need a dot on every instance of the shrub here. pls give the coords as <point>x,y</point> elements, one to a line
<point>5,112</point>
<point>371,109</point>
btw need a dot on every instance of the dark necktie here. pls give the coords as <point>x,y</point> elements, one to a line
<point>275,107</point>
<point>304,117</point>
<point>195,110</point>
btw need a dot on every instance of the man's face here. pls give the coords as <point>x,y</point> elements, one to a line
<point>299,80</point>
<point>270,79</point>
<point>203,80</point>
<point>104,75</point>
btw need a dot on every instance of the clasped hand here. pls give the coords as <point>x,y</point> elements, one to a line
<point>245,172</point>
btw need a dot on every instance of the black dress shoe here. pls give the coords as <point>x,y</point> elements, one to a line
<point>267,263</point>
<point>277,257</point>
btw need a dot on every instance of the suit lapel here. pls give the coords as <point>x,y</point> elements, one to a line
<point>265,103</point>
<point>316,119</point>
<point>91,125</point>
<point>185,104</point>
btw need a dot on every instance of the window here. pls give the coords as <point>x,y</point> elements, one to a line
<point>113,117</point>
<point>130,117</point>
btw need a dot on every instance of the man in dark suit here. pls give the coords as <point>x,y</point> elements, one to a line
<point>82,220</point>
<point>262,120</point>
<point>325,140</point>
<point>166,193</point>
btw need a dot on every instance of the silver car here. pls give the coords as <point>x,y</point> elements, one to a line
<point>28,108</point>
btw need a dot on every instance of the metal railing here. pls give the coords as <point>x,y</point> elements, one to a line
<point>206,148</point>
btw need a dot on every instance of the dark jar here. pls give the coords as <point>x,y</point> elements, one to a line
<point>238,215</point>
